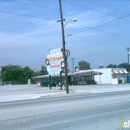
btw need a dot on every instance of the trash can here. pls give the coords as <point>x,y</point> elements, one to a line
<point>128,79</point>
<point>119,81</point>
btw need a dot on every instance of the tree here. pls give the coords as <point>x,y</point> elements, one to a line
<point>111,66</point>
<point>11,73</point>
<point>16,73</point>
<point>124,65</point>
<point>84,65</point>
<point>43,70</point>
<point>28,73</point>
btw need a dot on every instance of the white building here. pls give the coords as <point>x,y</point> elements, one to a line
<point>0,76</point>
<point>111,76</point>
<point>101,76</point>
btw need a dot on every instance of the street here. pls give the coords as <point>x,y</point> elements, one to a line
<point>102,111</point>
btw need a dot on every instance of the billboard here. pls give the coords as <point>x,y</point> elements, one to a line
<point>55,61</point>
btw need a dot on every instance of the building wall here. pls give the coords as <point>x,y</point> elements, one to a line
<point>108,77</point>
<point>105,78</point>
<point>0,76</point>
<point>123,77</point>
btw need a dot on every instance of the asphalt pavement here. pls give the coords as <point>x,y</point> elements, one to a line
<point>101,111</point>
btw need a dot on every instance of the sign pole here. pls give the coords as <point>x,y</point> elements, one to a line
<point>61,79</point>
<point>50,81</point>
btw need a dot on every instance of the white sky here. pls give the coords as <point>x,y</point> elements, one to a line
<point>25,40</point>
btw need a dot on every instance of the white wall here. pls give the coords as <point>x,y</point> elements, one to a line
<point>115,81</point>
<point>105,78</point>
<point>123,77</point>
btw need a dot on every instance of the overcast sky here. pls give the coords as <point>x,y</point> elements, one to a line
<point>28,29</point>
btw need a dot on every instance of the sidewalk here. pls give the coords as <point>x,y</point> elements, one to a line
<point>25,92</point>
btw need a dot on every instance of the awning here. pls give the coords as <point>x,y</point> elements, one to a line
<point>125,72</point>
<point>119,72</point>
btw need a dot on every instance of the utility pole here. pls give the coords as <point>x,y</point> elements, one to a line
<point>63,44</point>
<point>128,53</point>
<point>128,50</point>
<point>73,63</point>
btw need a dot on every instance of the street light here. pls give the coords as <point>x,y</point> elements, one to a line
<point>63,43</point>
<point>72,20</point>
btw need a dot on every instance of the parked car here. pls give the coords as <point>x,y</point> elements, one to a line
<point>82,83</point>
<point>91,82</point>
<point>46,83</point>
<point>63,83</point>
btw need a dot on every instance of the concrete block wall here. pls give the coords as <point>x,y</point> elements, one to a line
<point>105,78</point>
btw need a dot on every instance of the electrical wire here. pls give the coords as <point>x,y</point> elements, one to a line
<point>88,8</point>
<point>93,9</point>
<point>24,15</point>
<point>32,5</point>
<point>111,6</point>
<point>77,24</point>
<point>90,28</point>
<point>100,24</point>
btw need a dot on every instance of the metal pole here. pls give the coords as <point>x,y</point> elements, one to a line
<point>128,50</point>
<point>128,60</point>
<point>50,81</point>
<point>61,79</point>
<point>63,43</point>
<point>128,57</point>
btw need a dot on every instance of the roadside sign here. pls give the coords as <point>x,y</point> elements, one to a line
<point>54,61</point>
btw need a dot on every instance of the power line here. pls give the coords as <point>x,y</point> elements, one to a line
<point>92,9</point>
<point>24,15</point>
<point>111,6</point>
<point>90,28</point>
<point>33,5</point>
<point>76,24</point>
<point>88,8</point>
<point>100,24</point>
<point>97,30</point>
<point>73,23</point>
<point>112,21</point>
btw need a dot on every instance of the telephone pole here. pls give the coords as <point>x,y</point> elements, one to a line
<point>128,50</point>
<point>128,53</point>
<point>62,20</point>
<point>63,44</point>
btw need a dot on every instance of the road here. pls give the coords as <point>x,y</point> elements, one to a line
<point>78,112</point>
